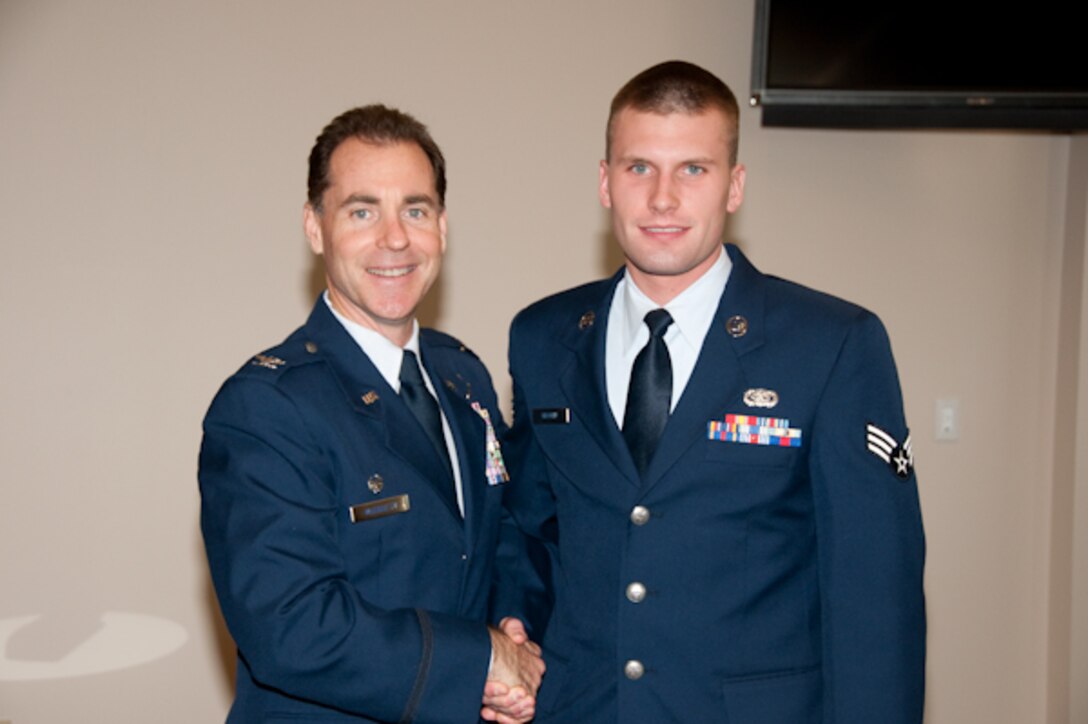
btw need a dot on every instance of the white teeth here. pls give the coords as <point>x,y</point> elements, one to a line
<point>663,229</point>
<point>398,272</point>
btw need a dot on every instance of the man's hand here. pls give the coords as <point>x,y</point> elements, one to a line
<point>516,670</point>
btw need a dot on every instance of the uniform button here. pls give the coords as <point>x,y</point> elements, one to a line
<point>633,670</point>
<point>636,592</point>
<point>640,515</point>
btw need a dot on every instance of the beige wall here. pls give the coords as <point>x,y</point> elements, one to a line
<point>1070,528</point>
<point>153,165</point>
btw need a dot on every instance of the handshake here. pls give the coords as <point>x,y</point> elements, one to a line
<point>515,674</point>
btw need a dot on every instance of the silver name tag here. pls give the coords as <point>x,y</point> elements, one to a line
<point>379,508</point>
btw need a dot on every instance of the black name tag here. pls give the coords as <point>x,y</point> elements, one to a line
<point>379,509</point>
<point>551,416</point>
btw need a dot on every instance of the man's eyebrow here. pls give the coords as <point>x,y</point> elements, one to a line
<point>420,199</point>
<point>367,199</point>
<point>359,199</point>
<point>700,160</point>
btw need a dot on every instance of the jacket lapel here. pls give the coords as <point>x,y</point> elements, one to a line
<point>372,397</point>
<point>583,382</point>
<point>718,379</point>
<point>469,436</point>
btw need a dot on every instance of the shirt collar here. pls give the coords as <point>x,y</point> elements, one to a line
<point>692,310</point>
<point>385,355</point>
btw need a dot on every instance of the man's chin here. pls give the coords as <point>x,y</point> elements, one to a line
<point>660,267</point>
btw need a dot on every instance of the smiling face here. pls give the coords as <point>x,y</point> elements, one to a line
<point>670,187</point>
<point>382,232</point>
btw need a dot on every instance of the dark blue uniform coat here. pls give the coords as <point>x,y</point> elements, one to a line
<point>783,585</point>
<point>380,620</point>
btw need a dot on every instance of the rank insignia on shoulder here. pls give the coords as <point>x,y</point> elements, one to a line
<point>899,458</point>
<point>268,361</point>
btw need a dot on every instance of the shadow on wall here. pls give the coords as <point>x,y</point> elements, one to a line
<point>66,645</point>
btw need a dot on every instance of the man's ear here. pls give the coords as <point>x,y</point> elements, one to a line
<point>311,226</point>
<point>602,190</point>
<point>736,188</point>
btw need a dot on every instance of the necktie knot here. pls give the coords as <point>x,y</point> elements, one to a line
<point>658,321</point>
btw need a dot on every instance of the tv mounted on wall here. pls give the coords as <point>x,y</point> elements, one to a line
<point>920,64</point>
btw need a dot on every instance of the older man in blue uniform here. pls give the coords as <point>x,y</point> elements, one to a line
<point>352,476</point>
<point>713,466</point>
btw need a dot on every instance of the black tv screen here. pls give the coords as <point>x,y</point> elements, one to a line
<point>923,64</point>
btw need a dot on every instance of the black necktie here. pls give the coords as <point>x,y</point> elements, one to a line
<point>650,393</point>
<point>423,405</point>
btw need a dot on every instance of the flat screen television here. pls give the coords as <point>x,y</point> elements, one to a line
<point>920,64</point>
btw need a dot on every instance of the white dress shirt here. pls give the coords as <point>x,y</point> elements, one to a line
<point>387,357</point>
<point>692,313</point>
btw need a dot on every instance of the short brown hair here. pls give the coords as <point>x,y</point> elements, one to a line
<point>676,86</point>
<point>375,124</point>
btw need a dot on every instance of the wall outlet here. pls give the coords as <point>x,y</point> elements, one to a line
<point>947,419</point>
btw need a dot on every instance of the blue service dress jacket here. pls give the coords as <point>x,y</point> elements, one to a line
<point>768,567</point>
<point>380,619</point>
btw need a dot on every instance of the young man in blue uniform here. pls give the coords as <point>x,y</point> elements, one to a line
<point>712,465</point>
<point>352,477</point>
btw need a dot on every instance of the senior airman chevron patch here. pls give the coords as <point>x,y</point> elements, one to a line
<point>898,457</point>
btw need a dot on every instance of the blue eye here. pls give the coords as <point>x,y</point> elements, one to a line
<point>417,213</point>
<point>640,169</point>
<point>694,170</point>
<point>361,214</point>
